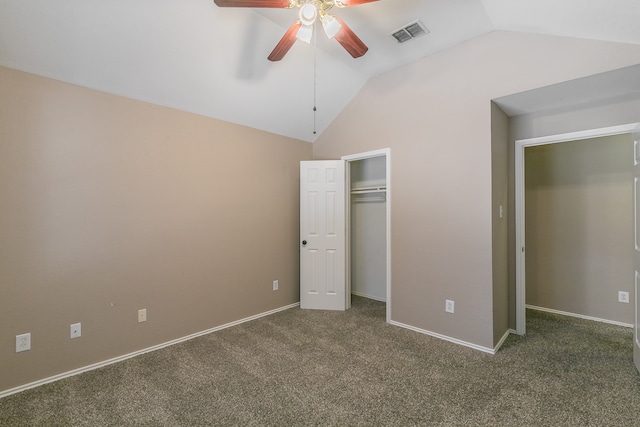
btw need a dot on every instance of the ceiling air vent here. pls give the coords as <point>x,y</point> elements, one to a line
<point>410,31</point>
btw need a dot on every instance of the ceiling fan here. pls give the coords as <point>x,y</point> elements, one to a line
<point>302,29</point>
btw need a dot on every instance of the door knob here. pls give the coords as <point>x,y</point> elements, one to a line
<point>304,243</point>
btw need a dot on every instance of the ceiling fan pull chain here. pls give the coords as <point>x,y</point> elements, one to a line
<point>314,77</point>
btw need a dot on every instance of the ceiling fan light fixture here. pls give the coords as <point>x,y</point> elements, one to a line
<point>310,11</point>
<point>331,25</point>
<point>305,33</point>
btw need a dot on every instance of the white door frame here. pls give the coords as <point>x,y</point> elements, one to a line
<point>519,200</point>
<point>361,156</point>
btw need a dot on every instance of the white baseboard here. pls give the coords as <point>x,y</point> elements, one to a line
<point>502,340</point>
<point>360,294</point>
<point>581,316</point>
<point>139,352</point>
<point>444,337</point>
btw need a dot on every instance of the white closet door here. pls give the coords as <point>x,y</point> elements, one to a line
<point>322,235</point>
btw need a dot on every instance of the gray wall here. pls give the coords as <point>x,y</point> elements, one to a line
<point>499,224</point>
<point>579,226</point>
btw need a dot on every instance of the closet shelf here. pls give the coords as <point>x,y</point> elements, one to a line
<point>365,190</point>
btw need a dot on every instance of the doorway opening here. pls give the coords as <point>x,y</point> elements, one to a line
<point>368,214</point>
<point>521,145</point>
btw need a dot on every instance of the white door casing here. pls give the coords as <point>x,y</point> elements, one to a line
<point>520,209</point>
<point>636,229</point>
<point>322,235</point>
<point>386,153</point>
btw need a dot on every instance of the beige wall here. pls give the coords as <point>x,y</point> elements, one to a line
<point>435,115</point>
<point>105,200</point>
<point>579,226</point>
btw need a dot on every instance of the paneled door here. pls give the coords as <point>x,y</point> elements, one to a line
<point>322,235</point>
<point>636,259</point>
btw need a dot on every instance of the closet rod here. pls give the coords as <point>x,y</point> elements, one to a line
<point>369,190</point>
<point>369,199</point>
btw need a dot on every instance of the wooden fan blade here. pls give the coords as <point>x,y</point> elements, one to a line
<point>348,39</point>
<point>347,3</point>
<point>285,42</point>
<point>253,3</point>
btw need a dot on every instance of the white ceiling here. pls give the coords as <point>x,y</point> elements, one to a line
<point>194,56</point>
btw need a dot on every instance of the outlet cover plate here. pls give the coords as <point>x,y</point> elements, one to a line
<point>142,315</point>
<point>623,297</point>
<point>275,285</point>
<point>449,306</point>
<point>23,342</point>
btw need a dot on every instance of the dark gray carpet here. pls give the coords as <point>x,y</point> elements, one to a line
<point>302,367</point>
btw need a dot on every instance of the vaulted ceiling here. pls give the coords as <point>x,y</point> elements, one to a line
<point>195,56</point>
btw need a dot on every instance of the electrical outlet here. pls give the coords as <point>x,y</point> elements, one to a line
<point>23,342</point>
<point>75,330</point>
<point>449,306</point>
<point>142,315</point>
<point>275,285</point>
<point>623,297</point>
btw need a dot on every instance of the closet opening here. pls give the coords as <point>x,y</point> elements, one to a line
<point>368,226</point>
<point>589,298</point>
